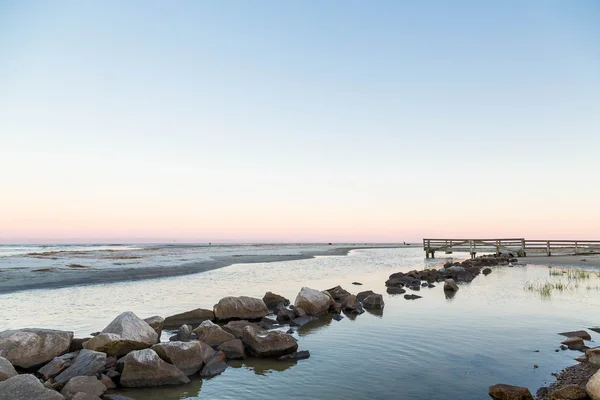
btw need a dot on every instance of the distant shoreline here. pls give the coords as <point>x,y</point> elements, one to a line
<point>52,280</point>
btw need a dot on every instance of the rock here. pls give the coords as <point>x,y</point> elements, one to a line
<point>84,396</point>
<point>299,312</point>
<point>581,334</point>
<point>212,334</point>
<point>509,392</point>
<point>184,333</point>
<point>129,327</point>
<point>193,318</point>
<point>450,285</point>
<point>569,392</point>
<point>243,308</point>
<point>186,356</point>
<point>56,366</point>
<point>580,359</point>
<point>87,363</point>
<point>26,387</point>
<point>592,387</point>
<point>267,323</point>
<point>86,384</point>
<point>338,317</point>
<point>214,365</point>
<point>283,314</point>
<point>357,283</point>
<point>157,323</point>
<point>374,301</point>
<point>113,345</point>
<point>268,344</point>
<point>430,285</point>
<point>144,368</point>
<point>486,271</point>
<point>395,290</point>
<point>6,369</point>
<point>338,293</point>
<point>593,356</point>
<point>77,344</point>
<point>574,343</point>
<point>336,308</point>
<point>233,349</point>
<point>301,355</point>
<point>108,383</point>
<point>351,304</point>
<point>113,374</point>
<point>274,301</point>
<point>236,328</point>
<point>363,295</point>
<point>27,348</point>
<point>313,301</point>
<point>301,321</point>
<point>411,296</point>
<point>456,268</point>
<point>563,347</point>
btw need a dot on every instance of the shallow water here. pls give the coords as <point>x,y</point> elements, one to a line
<point>431,348</point>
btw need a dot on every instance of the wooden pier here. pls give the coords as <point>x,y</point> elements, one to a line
<point>519,246</point>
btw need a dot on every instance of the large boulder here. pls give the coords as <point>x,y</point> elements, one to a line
<point>242,307</point>
<point>130,327</point>
<point>450,285</point>
<point>85,384</point>
<point>374,301</point>
<point>268,343</point>
<point>87,363</point>
<point>274,301</point>
<point>363,295</point>
<point>144,368</point>
<point>236,328</point>
<point>27,387</point>
<point>56,366</point>
<point>212,334</point>
<point>313,302</point>
<point>338,293</point>
<point>157,323</point>
<point>113,344</point>
<point>593,356</point>
<point>592,387</point>
<point>193,318</point>
<point>352,305</point>
<point>233,349</point>
<point>27,348</point>
<point>187,356</point>
<point>569,392</point>
<point>509,392</point>
<point>6,369</point>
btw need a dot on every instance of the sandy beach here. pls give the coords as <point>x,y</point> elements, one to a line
<point>16,279</point>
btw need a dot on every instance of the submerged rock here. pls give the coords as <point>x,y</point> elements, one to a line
<point>243,307</point>
<point>27,348</point>
<point>268,344</point>
<point>26,387</point>
<point>411,296</point>
<point>193,318</point>
<point>300,355</point>
<point>144,368</point>
<point>313,302</point>
<point>395,290</point>
<point>187,356</point>
<point>301,321</point>
<point>509,392</point>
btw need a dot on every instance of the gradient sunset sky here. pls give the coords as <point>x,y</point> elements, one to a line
<point>379,121</point>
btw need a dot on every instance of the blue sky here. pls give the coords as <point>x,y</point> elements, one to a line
<point>298,121</point>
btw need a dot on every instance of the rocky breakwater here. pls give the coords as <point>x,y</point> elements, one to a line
<point>449,274</point>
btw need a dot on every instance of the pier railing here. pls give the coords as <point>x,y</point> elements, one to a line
<point>519,246</point>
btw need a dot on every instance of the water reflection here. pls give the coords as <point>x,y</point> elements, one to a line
<point>449,294</point>
<point>262,366</point>
<point>316,325</point>
<point>378,312</point>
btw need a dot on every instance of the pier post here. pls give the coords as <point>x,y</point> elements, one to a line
<point>576,249</point>
<point>548,248</point>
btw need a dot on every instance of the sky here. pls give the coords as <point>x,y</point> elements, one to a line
<point>311,121</point>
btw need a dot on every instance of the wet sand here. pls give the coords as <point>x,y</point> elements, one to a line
<point>580,260</point>
<point>55,278</point>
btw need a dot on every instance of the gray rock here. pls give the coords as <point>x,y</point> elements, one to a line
<point>243,308</point>
<point>338,293</point>
<point>212,334</point>
<point>283,314</point>
<point>268,344</point>
<point>299,312</point>
<point>130,327</point>
<point>351,304</point>
<point>395,290</point>
<point>509,392</point>
<point>6,369</point>
<point>113,344</point>
<point>450,285</point>
<point>157,323</point>
<point>187,356</point>
<point>412,297</point>
<point>57,365</point>
<point>27,348</point>
<point>144,368</point>
<point>374,301</point>
<point>233,349</point>
<point>486,271</point>
<point>215,365</point>
<point>313,302</point>
<point>26,387</point>
<point>274,301</point>
<point>363,295</point>
<point>581,334</point>
<point>184,333</point>
<point>87,363</point>
<point>193,318</point>
<point>86,384</point>
<point>338,317</point>
<point>108,383</point>
<point>301,321</point>
<point>236,328</point>
<point>77,344</point>
<point>300,355</point>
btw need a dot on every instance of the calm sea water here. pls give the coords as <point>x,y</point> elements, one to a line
<point>491,331</point>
